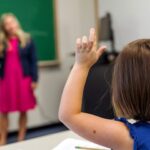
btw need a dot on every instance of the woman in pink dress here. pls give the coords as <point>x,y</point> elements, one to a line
<point>18,74</point>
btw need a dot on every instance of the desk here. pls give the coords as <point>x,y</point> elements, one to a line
<point>42,143</point>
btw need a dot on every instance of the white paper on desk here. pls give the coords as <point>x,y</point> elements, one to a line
<point>70,144</point>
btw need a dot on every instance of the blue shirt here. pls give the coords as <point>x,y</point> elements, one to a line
<point>140,132</point>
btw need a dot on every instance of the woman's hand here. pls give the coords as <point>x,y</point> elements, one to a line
<point>34,85</point>
<point>87,53</point>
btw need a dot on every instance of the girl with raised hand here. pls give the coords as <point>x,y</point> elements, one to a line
<point>130,96</point>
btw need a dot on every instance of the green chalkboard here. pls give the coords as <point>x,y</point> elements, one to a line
<point>38,18</point>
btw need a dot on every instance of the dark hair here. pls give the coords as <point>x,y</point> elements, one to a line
<point>131,81</point>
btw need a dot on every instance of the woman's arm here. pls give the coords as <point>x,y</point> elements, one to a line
<point>33,64</point>
<point>102,131</point>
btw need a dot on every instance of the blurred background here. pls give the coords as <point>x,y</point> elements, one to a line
<point>72,21</point>
<point>55,28</point>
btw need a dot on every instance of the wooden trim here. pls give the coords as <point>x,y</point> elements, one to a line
<point>56,30</point>
<point>49,63</point>
<point>57,61</point>
<point>96,6</point>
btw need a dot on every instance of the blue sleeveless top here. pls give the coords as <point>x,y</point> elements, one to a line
<point>140,132</point>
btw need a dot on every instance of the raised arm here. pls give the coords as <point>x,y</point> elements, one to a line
<point>96,129</point>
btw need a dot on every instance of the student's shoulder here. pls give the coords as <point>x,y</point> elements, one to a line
<point>121,132</point>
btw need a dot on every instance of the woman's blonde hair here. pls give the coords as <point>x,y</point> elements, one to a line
<point>21,34</point>
<point>1,43</point>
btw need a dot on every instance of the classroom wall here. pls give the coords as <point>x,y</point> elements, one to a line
<point>130,19</point>
<point>75,17</point>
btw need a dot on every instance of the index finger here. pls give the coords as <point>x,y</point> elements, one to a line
<point>92,35</point>
<point>92,38</point>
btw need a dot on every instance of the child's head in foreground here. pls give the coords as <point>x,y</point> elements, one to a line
<point>131,81</point>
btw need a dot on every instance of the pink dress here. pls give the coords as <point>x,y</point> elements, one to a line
<point>16,93</point>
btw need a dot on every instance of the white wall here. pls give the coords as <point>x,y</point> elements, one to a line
<point>75,17</point>
<point>130,19</point>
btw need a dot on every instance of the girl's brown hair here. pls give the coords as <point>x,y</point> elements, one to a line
<point>131,81</point>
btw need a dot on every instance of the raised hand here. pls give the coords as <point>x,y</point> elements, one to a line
<point>87,52</point>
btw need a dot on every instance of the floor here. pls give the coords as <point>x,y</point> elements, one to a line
<point>41,131</point>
